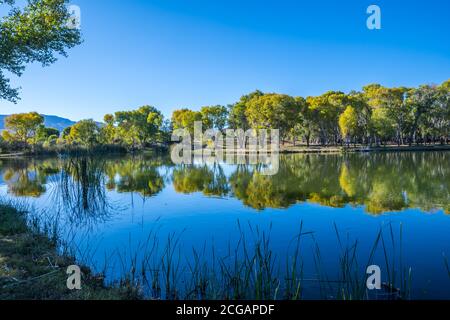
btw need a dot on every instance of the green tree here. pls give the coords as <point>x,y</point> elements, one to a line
<point>214,117</point>
<point>108,131</point>
<point>43,133</point>
<point>348,123</point>
<point>23,126</point>
<point>237,118</point>
<point>394,101</point>
<point>325,111</point>
<point>85,133</point>
<point>36,33</point>
<point>435,123</point>
<point>185,119</point>
<point>141,126</point>
<point>422,100</point>
<point>384,126</point>
<point>66,132</point>
<point>273,111</point>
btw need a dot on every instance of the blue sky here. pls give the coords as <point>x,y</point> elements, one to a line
<point>175,53</point>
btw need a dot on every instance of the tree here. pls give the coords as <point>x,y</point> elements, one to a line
<point>22,126</point>
<point>43,133</point>
<point>237,118</point>
<point>140,126</point>
<point>435,124</point>
<point>85,133</point>
<point>214,117</point>
<point>384,126</point>
<point>108,132</point>
<point>273,111</point>
<point>325,111</point>
<point>348,123</point>
<point>36,33</point>
<point>358,101</point>
<point>305,125</point>
<point>394,102</point>
<point>185,119</point>
<point>66,132</point>
<point>421,101</point>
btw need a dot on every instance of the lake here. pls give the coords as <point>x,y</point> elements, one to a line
<point>337,213</point>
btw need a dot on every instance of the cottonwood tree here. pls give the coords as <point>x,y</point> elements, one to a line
<point>422,101</point>
<point>85,133</point>
<point>22,127</point>
<point>185,119</point>
<point>214,117</point>
<point>273,111</point>
<point>237,118</point>
<point>348,123</point>
<point>38,32</point>
<point>141,126</point>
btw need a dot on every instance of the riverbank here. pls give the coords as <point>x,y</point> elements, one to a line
<point>361,149</point>
<point>31,268</point>
<point>79,151</point>
<point>285,149</point>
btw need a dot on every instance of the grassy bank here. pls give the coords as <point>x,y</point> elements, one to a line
<point>24,149</point>
<point>339,149</point>
<point>31,267</point>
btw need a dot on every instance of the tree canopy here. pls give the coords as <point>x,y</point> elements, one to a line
<point>37,33</point>
<point>22,127</point>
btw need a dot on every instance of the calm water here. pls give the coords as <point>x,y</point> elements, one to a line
<point>108,206</point>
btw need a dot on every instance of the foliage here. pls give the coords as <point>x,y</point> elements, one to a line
<point>22,127</point>
<point>37,33</point>
<point>185,119</point>
<point>43,133</point>
<point>375,115</point>
<point>273,111</point>
<point>214,117</point>
<point>85,133</point>
<point>139,127</point>
<point>237,118</point>
<point>348,122</point>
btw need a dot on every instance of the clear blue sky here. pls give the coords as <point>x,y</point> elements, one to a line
<point>179,53</point>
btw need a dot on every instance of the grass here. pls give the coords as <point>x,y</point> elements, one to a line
<point>250,270</point>
<point>31,267</point>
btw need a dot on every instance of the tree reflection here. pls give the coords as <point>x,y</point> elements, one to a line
<point>80,190</point>
<point>381,182</point>
<point>135,174</point>
<point>28,178</point>
<point>211,181</point>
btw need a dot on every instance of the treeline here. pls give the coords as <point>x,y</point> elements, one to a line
<point>129,130</point>
<point>376,115</point>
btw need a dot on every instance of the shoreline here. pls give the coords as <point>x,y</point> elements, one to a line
<point>362,149</point>
<point>283,150</point>
<point>32,268</point>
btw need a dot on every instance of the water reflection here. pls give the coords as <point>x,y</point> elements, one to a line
<point>135,175</point>
<point>210,180</point>
<point>27,178</point>
<point>379,182</point>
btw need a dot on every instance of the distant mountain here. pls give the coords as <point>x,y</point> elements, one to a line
<point>49,121</point>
